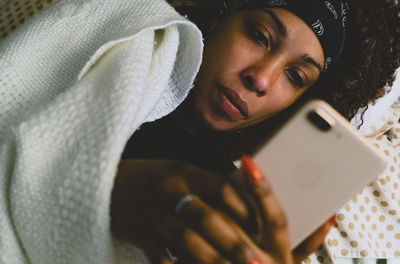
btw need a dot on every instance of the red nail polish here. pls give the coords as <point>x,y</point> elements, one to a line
<point>254,261</point>
<point>251,169</point>
<point>332,220</point>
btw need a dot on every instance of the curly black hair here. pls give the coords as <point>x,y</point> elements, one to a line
<point>363,73</point>
<point>370,58</point>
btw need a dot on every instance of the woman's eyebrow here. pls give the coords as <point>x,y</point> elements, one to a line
<point>306,58</point>
<point>283,31</point>
<point>278,23</point>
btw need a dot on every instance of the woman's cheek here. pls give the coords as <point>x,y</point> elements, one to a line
<point>285,99</point>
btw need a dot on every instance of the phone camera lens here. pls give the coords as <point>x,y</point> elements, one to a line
<point>318,121</point>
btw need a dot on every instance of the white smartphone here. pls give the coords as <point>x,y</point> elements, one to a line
<point>315,163</point>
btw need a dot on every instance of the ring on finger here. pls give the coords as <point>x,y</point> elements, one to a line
<point>183,201</point>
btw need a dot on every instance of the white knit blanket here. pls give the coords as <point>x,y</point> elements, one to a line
<point>75,82</point>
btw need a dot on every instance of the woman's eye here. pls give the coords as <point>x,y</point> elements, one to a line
<point>261,38</point>
<point>295,78</point>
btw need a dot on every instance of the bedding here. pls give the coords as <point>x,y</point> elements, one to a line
<point>76,82</point>
<point>13,13</point>
<point>368,226</point>
<point>380,124</point>
<point>374,117</point>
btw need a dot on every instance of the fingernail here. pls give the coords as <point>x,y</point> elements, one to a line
<point>251,169</point>
<point>332,220</point>
<point>254,261</point>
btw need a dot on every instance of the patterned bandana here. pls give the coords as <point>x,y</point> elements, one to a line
<point>326,18</point>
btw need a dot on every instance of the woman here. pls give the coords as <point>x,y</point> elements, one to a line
<point>92,72</point>
<point>259,58</point>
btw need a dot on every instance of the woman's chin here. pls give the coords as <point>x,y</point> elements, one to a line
<point>221,124</point>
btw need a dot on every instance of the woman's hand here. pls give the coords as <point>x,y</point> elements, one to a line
<point>309,245</point>
<point>143,208</point>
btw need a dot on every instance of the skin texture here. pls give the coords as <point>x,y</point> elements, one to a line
<point>212,228</point>
<point>150,189</point>
<point>369,60</point>
<point>362,74</point>
<point>246,57</point>
<point>247,54</point>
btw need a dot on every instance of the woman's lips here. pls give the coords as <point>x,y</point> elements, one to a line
<point>232,104</point>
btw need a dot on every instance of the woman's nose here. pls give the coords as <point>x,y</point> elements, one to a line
<point>259,78</point>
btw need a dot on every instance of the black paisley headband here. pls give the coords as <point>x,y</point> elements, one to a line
<point>326,18</point>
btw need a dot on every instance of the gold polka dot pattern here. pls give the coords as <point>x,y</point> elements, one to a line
<point>368,226</point>
<point>15,12</point>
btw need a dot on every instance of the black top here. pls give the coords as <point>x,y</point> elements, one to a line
<point>165,139</point>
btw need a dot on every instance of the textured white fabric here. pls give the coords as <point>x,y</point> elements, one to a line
<point>75,83</point>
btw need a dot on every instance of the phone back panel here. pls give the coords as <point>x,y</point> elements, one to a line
<point>314,172</point>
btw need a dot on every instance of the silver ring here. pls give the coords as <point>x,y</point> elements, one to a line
<point>184,200</point>
<point>170,255</point>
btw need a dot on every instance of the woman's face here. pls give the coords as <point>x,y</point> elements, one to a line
<point>256,63</point>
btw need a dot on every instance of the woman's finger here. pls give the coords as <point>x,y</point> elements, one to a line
<point>154,250</point>
<point>315,240</point>
<point>274,227</point>
<point>219,231</point>
<point>186,244</point>
<point>217,191</point>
